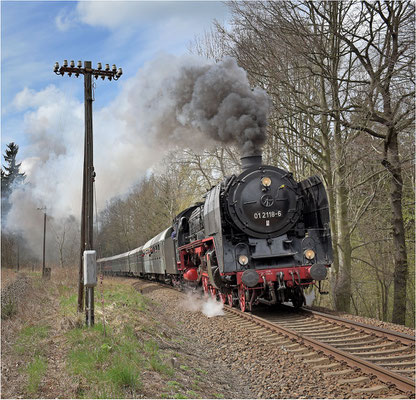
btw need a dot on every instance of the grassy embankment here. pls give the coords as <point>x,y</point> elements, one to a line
<point>122,358</point>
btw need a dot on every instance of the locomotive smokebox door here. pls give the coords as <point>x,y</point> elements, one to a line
<point>90,268</point>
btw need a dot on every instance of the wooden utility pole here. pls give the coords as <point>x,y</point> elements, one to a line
<point>89,176</point>
<point>87,211</point>
<point>44,245</point>
<point>18,255</point>
<point>44,241</point>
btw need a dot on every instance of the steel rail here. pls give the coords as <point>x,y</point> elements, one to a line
<point>373,330</point>
<point>402,383</point>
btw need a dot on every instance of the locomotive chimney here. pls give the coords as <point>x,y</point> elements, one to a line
<point>248,161</point>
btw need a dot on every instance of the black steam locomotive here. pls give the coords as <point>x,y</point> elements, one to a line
<point>259,237</point>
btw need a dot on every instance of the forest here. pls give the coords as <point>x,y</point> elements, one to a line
<point>340,78</point>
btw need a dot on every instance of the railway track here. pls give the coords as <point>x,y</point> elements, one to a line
<point>352,351</point>
<point>341,347</point>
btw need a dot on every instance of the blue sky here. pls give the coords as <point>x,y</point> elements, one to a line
<point>44,113</point>
<point>36,34</point>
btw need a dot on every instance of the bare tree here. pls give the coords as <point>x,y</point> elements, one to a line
<point>381,37</point>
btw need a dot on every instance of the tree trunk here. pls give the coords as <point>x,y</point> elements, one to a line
<point>343,283</point>
<point>399,241</point>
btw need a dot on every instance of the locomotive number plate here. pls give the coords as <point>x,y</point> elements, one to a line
<point>267,214</point>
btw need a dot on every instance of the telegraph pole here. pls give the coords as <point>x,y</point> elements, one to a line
<point>88,171</point>
<point>44,241</point>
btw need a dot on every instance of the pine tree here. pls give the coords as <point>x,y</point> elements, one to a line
<point>10,176</point>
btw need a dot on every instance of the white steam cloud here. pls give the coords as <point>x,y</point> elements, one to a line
<point>172,101</point>
<point>206,305</point>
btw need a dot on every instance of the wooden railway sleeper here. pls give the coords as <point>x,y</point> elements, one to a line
<point>401,364</point>
<point>316,360</point>
<point>331,333</point>
<point>326,366</point>
<point>334,342</point>
<point>307,355</point>
<point>299,350</point>
<point>311,330</point>
<point>305,324</point>
<point>395,358</point>
<point>340,336</point>
<point>381,352</point>
<point>362,346</point>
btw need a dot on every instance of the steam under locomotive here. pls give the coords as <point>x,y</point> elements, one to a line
<point>259,237</point>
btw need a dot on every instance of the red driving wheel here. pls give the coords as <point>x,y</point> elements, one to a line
<point>242,299</point>
<point>205,285</point>
<point>223,298</point>
<point>213,293</point>
<point>230,299</point>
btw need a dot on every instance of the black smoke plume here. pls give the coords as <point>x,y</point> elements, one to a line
<point>194,102</point>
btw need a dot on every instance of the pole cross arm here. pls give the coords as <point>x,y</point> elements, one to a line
<point>112,73</point>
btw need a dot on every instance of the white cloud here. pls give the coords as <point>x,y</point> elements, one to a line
<point>117,14</point>
<point>29,98</point>
<point>65,20</point>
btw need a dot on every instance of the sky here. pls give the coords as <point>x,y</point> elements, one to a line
<point>44,113</point>
<point>127,33</point>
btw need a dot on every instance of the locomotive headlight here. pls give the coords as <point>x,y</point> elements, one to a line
<point>243,260</point>
<point>309,254</point>
<point>266,181</point>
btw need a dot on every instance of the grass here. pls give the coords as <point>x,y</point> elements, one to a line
<point>35,372</point>
<point>29,345</point>
<point>104,363</point>
<point>30,339</point>
<point>68,303</point>
<point>125,297</point>
<point>175,390</point>
<point>112,361</point>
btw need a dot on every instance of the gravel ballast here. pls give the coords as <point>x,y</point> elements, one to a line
<point>264,367</point>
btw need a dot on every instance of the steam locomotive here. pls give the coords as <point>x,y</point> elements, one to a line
<point>259,237</point>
